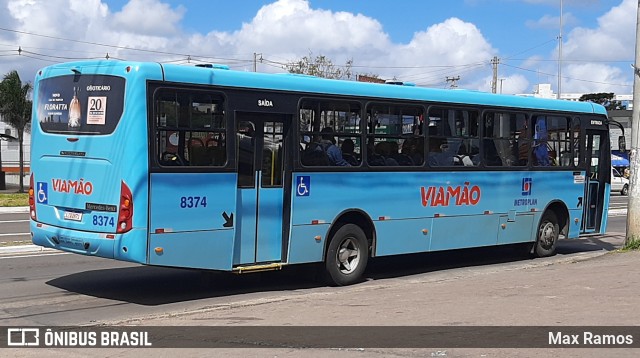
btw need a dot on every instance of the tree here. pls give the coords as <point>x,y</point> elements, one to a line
<point>320,66</point>
<point>605,99</point>
<point>15,108</point>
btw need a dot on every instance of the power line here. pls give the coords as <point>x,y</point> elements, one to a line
<point>112,46</point>
<point>570,60</point>
<point>529,49</point>
<point>568,78</point>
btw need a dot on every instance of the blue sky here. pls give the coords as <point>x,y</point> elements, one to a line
<point>418,41</point>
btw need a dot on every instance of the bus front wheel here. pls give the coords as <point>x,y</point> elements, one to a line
<point>347,256</point>
<point>548,235</point>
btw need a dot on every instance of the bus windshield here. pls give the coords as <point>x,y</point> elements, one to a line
<point>80,104</point>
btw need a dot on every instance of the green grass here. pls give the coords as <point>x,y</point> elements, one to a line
<point>15,199</point>
<point>633,245</point>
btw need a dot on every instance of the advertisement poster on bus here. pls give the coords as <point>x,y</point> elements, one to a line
<point>80,104</point>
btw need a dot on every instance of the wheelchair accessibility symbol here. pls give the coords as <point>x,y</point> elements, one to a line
<point>42,193</point>
<point>303,186</point>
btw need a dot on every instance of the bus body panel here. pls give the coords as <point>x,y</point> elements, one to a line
<point>200,249</point>
<point>259,224</point>
<point>414,238</point>
<point>67,188</point>
<point>191,219</point>
<point>457,209</point>
<point>307,243</point>
<point>605,209</point>
<point>269,236</point>
<point>244,251</point>
<point>514,229</point>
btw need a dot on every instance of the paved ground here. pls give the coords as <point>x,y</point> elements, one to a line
<point>593,288</point>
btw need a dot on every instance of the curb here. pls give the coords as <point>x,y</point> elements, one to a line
<point>23,249</point>
<point>14,209</point>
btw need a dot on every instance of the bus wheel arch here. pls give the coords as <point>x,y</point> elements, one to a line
<point>348,248</point>
<point>553,223</point>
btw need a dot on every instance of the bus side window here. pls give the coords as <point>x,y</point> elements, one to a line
<point>325,126</point>
<point>395,135</point>
<point>506,140</point>
<point>453,137</point>
<point>190,128</point>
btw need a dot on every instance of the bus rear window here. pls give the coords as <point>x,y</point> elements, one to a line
<point>80,104</point>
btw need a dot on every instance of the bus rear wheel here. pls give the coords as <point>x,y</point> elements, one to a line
<point>548,235</point>
<point>347,256</point>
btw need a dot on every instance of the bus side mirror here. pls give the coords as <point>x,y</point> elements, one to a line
<point>622,144</point>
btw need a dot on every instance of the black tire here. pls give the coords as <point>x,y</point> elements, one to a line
<point>547,235</point>
<point>625,190</point>
<point>347,256</point>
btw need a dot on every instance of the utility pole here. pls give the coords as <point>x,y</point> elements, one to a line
<point>494,83</point>
<point>255,61</point>
<point>453,80</point>
<point>560,54</point>
<point>633,211</point>
<point>502,79</point>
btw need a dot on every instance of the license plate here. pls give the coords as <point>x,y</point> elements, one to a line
<point>70,215</point>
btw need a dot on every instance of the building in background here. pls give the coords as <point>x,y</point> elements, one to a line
<point>10,154</point>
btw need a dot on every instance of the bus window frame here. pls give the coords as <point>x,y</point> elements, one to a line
<point>153,88</point>
<point>366,135</point>
<point>297,133</point>
<point>456,107</point>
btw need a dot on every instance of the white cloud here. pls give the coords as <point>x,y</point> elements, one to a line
<point>593,78</point>
<point>512,84</point>
<point>451,43</point>
<point>553,22</point>
<point>287,26</point>
<point>148,17</point>
<point>613,39</point>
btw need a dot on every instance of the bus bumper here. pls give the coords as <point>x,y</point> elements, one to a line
<point>126,247</point>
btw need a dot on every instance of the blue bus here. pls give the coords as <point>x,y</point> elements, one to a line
<point>208,168</point>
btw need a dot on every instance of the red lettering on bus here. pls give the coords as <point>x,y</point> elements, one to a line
<point>72,186</point>
<point>441,196</point>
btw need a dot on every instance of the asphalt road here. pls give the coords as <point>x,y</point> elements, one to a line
<point>14,228</point>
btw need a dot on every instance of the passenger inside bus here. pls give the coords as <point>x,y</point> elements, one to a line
<point>413,147</point>
<point>328,145</point>
<point>385,149</point>
<point>348,148</point>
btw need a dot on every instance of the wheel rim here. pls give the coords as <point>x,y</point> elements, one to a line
<point>348,255</point>
<point>547,235</point>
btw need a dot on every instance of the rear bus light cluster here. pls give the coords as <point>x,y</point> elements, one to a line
<point>32,200</point>
<point>125,215</point>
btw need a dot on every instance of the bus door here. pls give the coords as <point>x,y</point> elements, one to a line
<point>598,168</point>
<point>261,140</point>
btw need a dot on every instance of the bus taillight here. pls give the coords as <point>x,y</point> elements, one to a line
<point>125,217</point>
<point>32,201</point>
